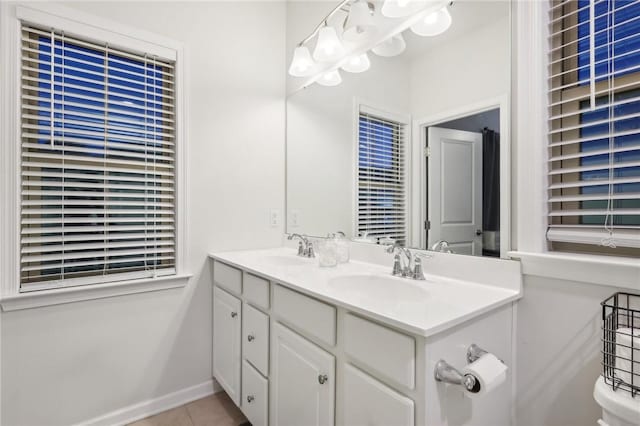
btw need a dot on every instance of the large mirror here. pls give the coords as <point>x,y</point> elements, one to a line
<point>416,148</point>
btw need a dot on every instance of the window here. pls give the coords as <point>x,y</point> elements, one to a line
<point>381,178</point>
<point>97,164</point>
<point>594,172</point>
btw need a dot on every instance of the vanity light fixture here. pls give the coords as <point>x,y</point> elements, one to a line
<point>433,24</point>
<point>424,17</point>
<point>302,64</point>
<point>391,47</point>
<point>330,78</point>
<point>402,8</point>
<point>359,25</point>
<point>329,47</point>
<point>356,64</point>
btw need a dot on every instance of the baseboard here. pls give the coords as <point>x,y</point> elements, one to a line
<point>153,406</point>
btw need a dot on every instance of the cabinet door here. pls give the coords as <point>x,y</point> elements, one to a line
<point>303,381</point>
<point>372,403</point>
<point>226,342</point>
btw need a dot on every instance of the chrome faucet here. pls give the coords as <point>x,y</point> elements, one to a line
<point>305,247</point>
<point>402,269</point>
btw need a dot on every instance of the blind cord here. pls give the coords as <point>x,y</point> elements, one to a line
<point>62,121</point>
<point>609,240</point>
<point>104,161</point>
<point>146,167</point>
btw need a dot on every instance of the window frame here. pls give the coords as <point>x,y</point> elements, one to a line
<point>529,206</point>
<point>579,93</point>
<point>92,27</point>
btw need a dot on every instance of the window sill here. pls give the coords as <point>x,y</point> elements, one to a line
<point>42,298</point>
<point>592,269</point>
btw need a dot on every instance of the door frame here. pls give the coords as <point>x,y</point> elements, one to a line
<point>419,166</point>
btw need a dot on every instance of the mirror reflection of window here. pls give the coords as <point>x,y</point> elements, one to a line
<point>381,211</point>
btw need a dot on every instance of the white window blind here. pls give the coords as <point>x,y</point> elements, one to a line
<point>381,178</point>
<point>97,164</point>
<point>594,123</point>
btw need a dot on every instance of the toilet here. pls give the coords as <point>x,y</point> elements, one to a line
<point>619,408</point>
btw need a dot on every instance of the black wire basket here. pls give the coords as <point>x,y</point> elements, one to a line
<point>621,342</point>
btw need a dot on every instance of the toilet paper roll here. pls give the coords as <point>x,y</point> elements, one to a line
<point>489,372</point>
<point>626,346</point>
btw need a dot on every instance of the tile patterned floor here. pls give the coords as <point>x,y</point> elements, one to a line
<point>214,410</point>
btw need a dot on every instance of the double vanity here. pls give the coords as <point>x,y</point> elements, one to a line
<point>296,344</point>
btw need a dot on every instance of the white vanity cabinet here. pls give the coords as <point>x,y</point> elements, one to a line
<point>288,358</point>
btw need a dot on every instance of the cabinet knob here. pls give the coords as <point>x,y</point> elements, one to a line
<point>234,314</point>
<point>322,379</point>
<point>250,399</point>
<point>250,338</point>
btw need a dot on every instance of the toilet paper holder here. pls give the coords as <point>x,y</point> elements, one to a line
<point>447,373</point>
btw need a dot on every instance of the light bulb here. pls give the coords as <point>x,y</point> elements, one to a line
<point>433,24</point>
<point>390,47</point>
<point>359,25</point>
<point>402,8</point>
<point>302,64</point>
<point>330,78</point>
<point>357,64</point>
<point>329,47</point>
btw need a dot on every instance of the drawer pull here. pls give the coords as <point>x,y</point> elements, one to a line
<point>250,399</point>
<point>250,338</point>
<point>234,314</point>
<point>322,379</point>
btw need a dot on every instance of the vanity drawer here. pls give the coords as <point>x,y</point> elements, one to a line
<point>309,315</point>
<point>370,402</point>
<point>255,396</point>
<point>228,277</point>
<point>256,290</point>
<point>387,352</point>
<point>255,338</point>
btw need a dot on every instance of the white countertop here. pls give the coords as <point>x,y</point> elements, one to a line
<point>419,307</point>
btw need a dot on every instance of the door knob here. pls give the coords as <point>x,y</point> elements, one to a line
<point>234,314</point>
<point>250,399</point>
<point>322,379</point>
<point>478,232</point>
<point>250,338</point>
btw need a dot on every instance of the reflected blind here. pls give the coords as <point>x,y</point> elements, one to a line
<point>381,178</point>
<point>594,123</point>
<point>98,162</point>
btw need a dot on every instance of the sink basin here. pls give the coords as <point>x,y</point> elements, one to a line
<point>284,260</point>
<point>380,289</point>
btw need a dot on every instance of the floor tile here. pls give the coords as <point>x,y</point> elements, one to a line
<point>175,417</point>
<point>215,410</point>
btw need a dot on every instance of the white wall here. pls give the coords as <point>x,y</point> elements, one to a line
<point>68,363</point>
<point>558,352</point>
<point>464,71</point>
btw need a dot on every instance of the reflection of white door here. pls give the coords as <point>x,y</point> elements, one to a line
<point>455,189</point>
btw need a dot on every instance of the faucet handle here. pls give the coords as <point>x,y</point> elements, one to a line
<point>300,249</point>
<point>397,266</point>
<point>309,251</point>
<point>418,273</point>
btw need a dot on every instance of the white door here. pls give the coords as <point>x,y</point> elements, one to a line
<point>302,381</point>
<point>455,189</point>
<point>226,342</point>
